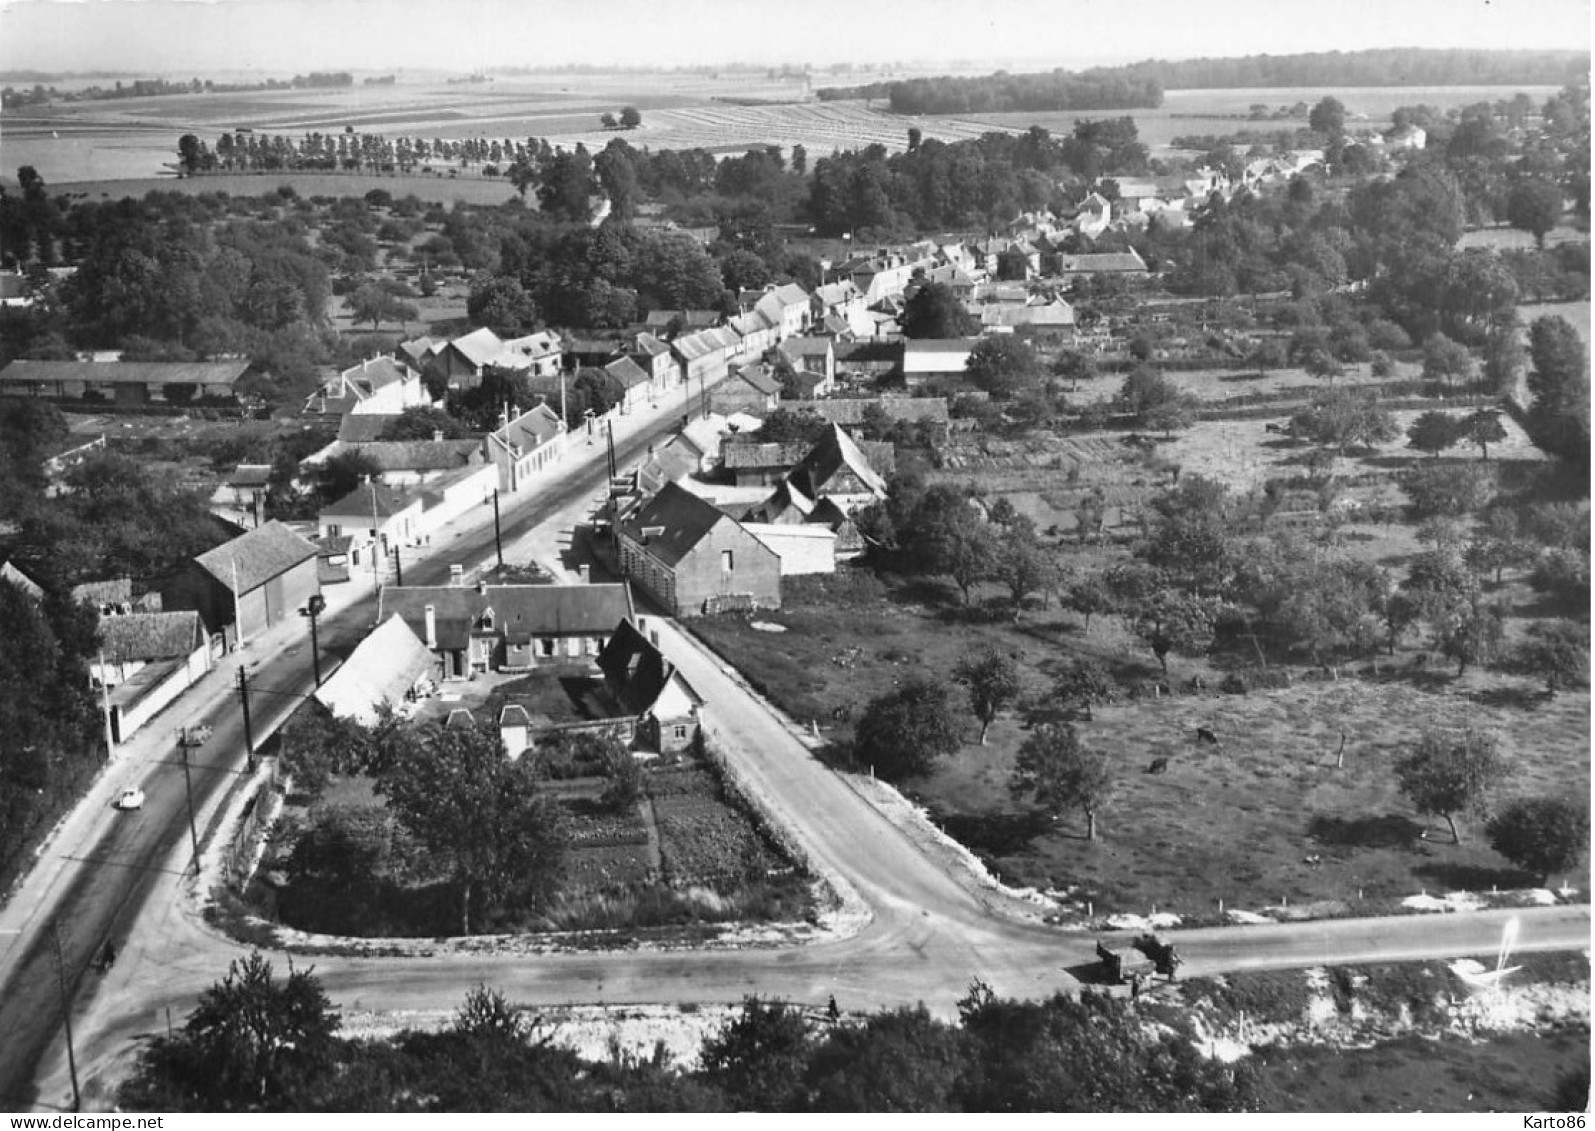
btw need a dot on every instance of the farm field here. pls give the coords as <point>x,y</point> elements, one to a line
<point>1204,111</point>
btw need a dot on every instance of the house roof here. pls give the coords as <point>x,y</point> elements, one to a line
<point>652,346</point>
<point>753,322</point>
<point>116,591</point>
<point>705,342</point>
<point>378,500</point>
<point>250,475</point>
<point>9,572</point>
<point>256,557</point>
<point>520,612</point>
<point>375,373</point>
<point>807,347</point>
<point>150,636</point>
<point>479,347</point>
<point>1103,262</point>
<point>420,455</point>
<point>627,372</point>
<point>760,376</point>
<point>746,456</point>
<point>382,667</point>
<point>127,372</point>
<point>637,672</point>
<point>847,411</point>
<point>836,452</point>
<point>938,345</point>
<point>419,350</point>
<point>831,294</point>
<point>364,427</point>
<point>679,521</point>
<point>690,319</point>
<point>531,429</point>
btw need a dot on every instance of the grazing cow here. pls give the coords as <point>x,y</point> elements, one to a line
<point>1158,766</point>
<point>1205,734</point>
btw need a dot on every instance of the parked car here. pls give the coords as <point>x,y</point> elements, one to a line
<point>130,799</point>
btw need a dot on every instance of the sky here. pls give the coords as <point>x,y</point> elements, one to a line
<point>278,38</point>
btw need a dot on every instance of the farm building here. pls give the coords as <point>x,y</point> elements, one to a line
<point>803,548</point>
<point>386,667</point>
<point>405,463</point>
<point>124,384</point>
<point>1126,262</point>
<point>507,627</point>
<point>694,559</point>
<point>246,586</point>
<point>648,687</point>
<point>751,388</point>
<point>146,660</point>
<point>655,356</point>
<point>930,359</point>
<point>705,354</point>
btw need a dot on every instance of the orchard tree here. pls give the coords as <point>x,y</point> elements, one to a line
<point>1173,621</point>
<point>1341,419</point>
<point>1090,596</point>
<point>1074,367</point>
<point>1058,772</point>
<point>1448,490</point>
<point>1534,205</point>
<point>1557,653</point>
<point>500,303</point>
<point>482,814</point>
<point>1558,383</point>
<point>992,680</point>
<point>1434,432</point>
<point>1084,683</point>
<point>903,733</point>
<point>1449,773</point>
<point>1541,834</point>
<point>1498,544</point>
<point>1023,565</point>
<point>1004,366</point>
<point>1483,428</point>
<point>630,118</point>
<point>1446,361</point>
<point>1471,636</point>
<point>951,539</point>
<point>936,312</point>
<point>1328,116</point>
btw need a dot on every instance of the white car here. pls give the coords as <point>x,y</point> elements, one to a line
<point>130,799</point>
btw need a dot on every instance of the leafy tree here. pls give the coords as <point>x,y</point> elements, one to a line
<point>1558,383</point>
<point>1328,116</point>
<point>340,474</point>
<point>759,1058</point>
<point>1269,353</point>
<point>950,538</point>
<point>608,121</point>
<point>1433,432</point>
<point>992,680</point>
<point>422,422</point>
<point>901,1060</point>
<point>1084,683</point>
<point>630,118</point>
<point>501,304</point>
<point>1448,774</point>
<point>1074,367</point>
<point>1557,653</point>
<point>568,185</point>
<point>1452,491</point>
<point>1058,772</point>
<point>1323,365</point>
<point>1446,361</point>
<point>935,311</point>
<point>1089,596</point>
<point>476,811</point>
<point>1004,366</point>
<point>253,1044</point>
<point>1534,205</point>
<point>1439,585</point>
<point>1564,573</point>
<point>1022,564</point>
<point>1172,621</point>
<point>1541,834</point>
<point>1471,636</point>
<point>1483,428</point>
<point>1153,399</point>
<point>903,733</point>
<point>373,303</point>
<point>1499,543</point>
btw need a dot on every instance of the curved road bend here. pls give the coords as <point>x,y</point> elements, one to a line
<point>927,936</point>
<point>100,887</point>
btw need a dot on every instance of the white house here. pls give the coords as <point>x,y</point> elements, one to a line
<point>526,444</point>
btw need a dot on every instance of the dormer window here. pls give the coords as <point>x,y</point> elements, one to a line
<point>486,620</point>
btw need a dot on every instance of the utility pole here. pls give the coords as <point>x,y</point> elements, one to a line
<point>66,1016</point>
<point>105,702</point>
<point>188,786</point>
<point>249,734</point>
<point>498,534</point>
<point>376,531</point>
<point>313,609</point>
<point>611,432</point>
<point>398,568</point>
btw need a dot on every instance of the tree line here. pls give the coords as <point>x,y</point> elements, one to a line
<point>1005,93</point>
<point>257,1042</point>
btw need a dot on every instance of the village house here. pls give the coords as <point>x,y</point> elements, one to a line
<point>376,517</point>
<point>673,323</point>
<point>705,354</point>
<point>404,463</point>
<point>463,361</point>
<point>656,358</point>
<point>381,386</point>
<point>752,388</point>
<point>759,333</point>
<point>125,384</point>
<point>813,361</point>
<point>633,379</point>
<point>390,666</point>
<point>693,559</point>
<point>838,300</point>
<point>1122,263</point>
<point>785,305</point>
<point>648,687</point>
<point>146,660</point>
<point>247,585</point>
<point>241,497</point>
<point>523,446</point>
<point>507,628</point>
<point>935,359</point>
<point>803,548</point>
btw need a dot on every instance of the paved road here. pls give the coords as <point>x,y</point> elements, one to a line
<point>103,866</point>
<point>923,931</point>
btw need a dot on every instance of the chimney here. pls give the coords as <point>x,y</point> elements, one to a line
<point>481,585</point>
<point>431,627</point>
<point>437,435</point>
<point>586,573</point>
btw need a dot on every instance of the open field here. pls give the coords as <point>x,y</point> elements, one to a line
<point>470,186</point>
<point>1203,111</point>
<point>1514,239</point>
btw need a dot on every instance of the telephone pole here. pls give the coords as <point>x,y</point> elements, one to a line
<point>249,735</point>
<point>398,568</point>
<point>188,788</point>
<point>66,1016</point>
<point>498,534</point>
